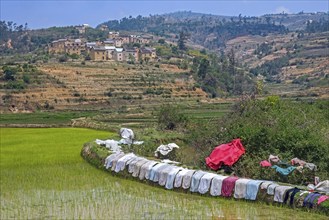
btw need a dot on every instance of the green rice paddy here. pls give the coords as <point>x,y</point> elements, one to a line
<point>43,177</point>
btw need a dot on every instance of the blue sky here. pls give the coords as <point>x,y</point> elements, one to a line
<point>39,13</point>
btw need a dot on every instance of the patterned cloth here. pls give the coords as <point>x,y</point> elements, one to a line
<point>228,186</point>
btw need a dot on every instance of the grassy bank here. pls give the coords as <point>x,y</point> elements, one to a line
<point>43,176</point>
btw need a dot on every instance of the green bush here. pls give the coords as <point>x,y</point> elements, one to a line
<point>272,126</point>
<point>171,118</point>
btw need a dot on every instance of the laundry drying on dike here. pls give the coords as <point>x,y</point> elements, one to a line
<point>181,178</point>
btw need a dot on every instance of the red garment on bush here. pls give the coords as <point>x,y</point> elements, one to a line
<point>265,163</point>
<point>226,154</point>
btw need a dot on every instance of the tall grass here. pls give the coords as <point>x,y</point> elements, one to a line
<point>44,177</point>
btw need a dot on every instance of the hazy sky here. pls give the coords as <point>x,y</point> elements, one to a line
<point>47,13</point>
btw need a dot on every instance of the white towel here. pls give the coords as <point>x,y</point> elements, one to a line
<point>122,162</point>
<point>216,185</point>
<point>280,192</point>
<point>146,167</point>
<point>137,166</point>
<point>205,182</point>
<point>179,178</point>
<point>241,188</point>
<point>187,179</point>
<point>164,174</point>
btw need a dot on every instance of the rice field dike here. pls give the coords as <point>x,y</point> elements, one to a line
<point>43,176</point>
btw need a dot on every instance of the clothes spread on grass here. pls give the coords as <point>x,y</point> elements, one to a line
<point>323,186</point>
<point>280,192</point>
<point>169,161</point>
<point>164,175</point>
<point>303,164</point>
<point>187,179</point>
<point>265,163</point>
<point>284,171</point>
<point>290,192</point>
<point>252,189</point>
<point>127,138</point>
<point>122,162</point>
<point>271,188</point>
<point>240,189</point>
<point>205,182</point>
<point>179,178</point>
<point>127,135</point>
<point>155,169</point>
<point>322,199</point>
<point>228,186</point>
<point>310,198</point>
<point>225,154</point>
<point>144,171</point>
<point>165,149</point>
<point>216,185</point>
<point>137,167</point>
<point>195,181</point>
<point>172,176</point>
<point>273,159</point>
<point>265,184</point>
<point>296,164</point>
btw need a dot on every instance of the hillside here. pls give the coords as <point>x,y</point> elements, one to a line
<point>97,85</point>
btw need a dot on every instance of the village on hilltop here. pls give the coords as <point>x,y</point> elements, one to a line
<point>115,48</point>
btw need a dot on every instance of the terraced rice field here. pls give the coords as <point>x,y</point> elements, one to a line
<point>44,177</point>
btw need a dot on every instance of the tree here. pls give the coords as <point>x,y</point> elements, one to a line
<point>181,41</point>
<point>9,73</point>
<point>203,68</point>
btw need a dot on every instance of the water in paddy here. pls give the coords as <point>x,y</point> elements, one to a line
<point>44,177</point>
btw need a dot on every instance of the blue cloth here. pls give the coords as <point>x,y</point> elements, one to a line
<point>310,198</point>
<point>284,171</point>
<point>252,189</point>
<point>196,180</point>
<point>292,196</point>
<point>171,177</point>
<point>157,172</point>
<point>153,169</point>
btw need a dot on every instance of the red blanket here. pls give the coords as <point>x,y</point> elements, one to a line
<point>226,154</point>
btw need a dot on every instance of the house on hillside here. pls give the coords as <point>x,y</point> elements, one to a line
<point>57,46</point>
<point>112,35</point>
<point>69,46</point>
<point>76,46</point>
<point>125,39</point>
<point>109,42</point>
<point>82,28</point>
<point>118,42</point>
<point>118,54</point>
<point>98,53</point>
<point>131,54</point>
<point>147,54</point>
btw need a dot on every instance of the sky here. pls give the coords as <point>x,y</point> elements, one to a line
<point>49,13</point>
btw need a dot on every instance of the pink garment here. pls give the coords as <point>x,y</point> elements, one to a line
<point>322,199</point>
<point>226,154</point>
<point>265,163</point>
<point>228,185</point>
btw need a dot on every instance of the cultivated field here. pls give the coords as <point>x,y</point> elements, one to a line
<point>44,177</point>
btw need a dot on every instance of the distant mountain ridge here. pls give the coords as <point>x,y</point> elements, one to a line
<point>213,31</point>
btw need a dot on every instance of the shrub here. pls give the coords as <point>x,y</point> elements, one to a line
<point>171,118</point>
<point>272,126</point>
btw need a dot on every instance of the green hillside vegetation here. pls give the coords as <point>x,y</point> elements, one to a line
<point>271,126</point>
